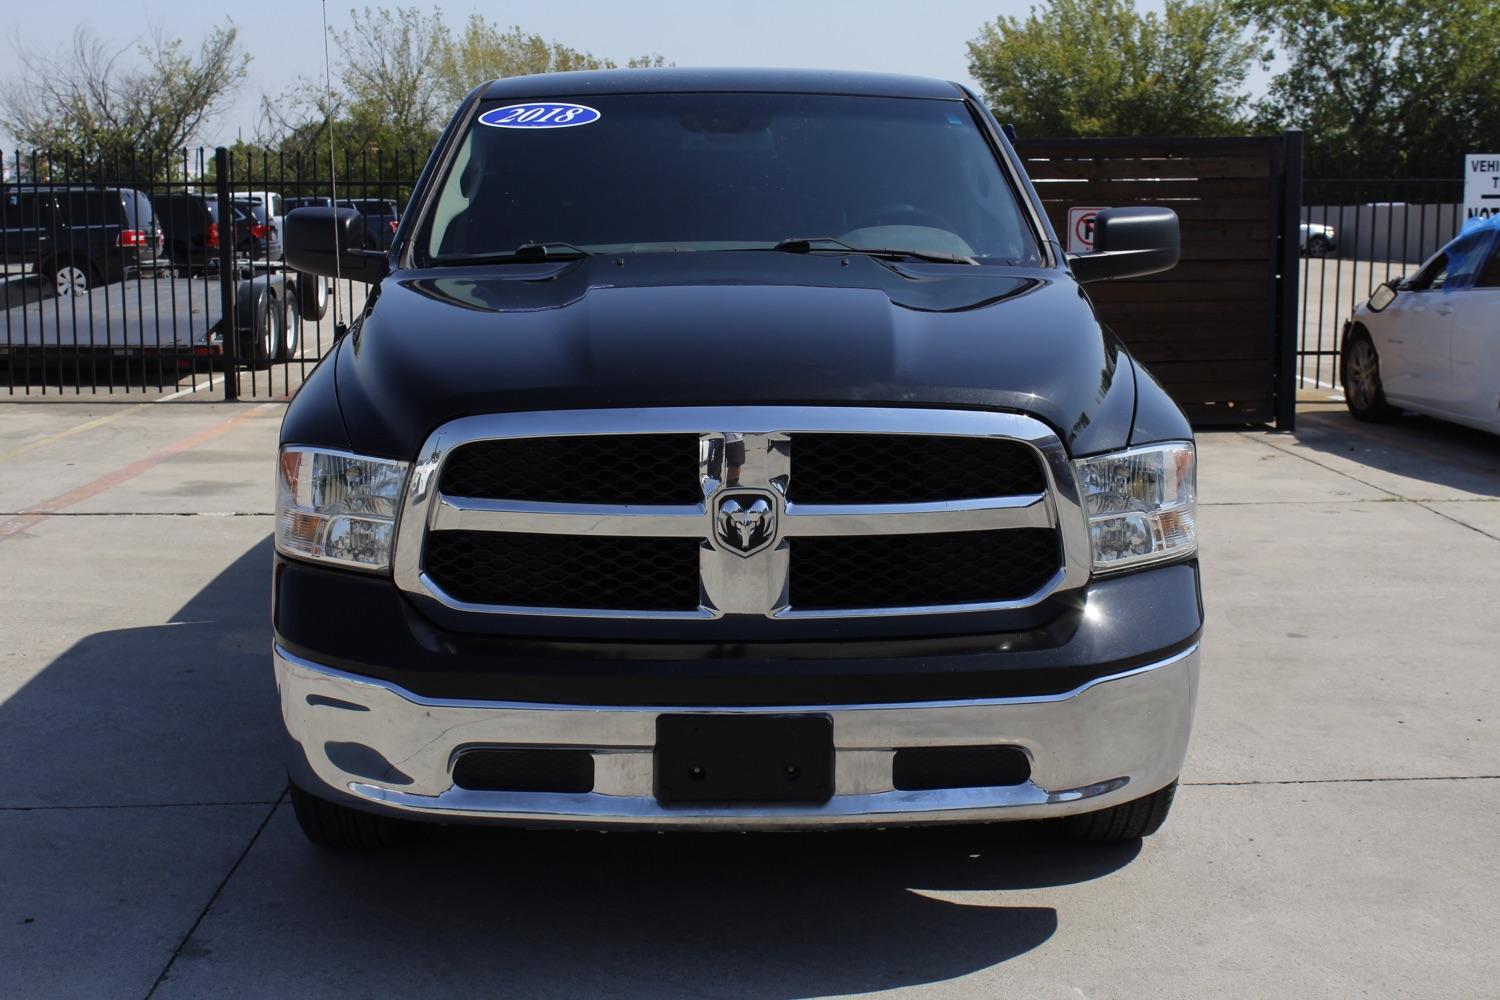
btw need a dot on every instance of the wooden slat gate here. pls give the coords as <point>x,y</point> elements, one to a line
<point>1218,330</point>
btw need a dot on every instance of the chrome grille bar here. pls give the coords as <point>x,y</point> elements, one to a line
<point>532,517</point>
<point>745,454</point>
<point>985,514</point>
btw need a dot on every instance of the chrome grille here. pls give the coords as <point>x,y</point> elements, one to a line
<point>787,512</point>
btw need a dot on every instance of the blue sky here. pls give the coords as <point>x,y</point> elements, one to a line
<point>284,37</point>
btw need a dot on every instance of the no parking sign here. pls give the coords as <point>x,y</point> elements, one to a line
<point>1081,229</point>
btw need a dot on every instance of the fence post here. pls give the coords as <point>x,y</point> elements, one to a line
<point>227,277</point>
<point>1288,327</point>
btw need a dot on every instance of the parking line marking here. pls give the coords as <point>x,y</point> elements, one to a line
<point>39,512</point>
<point>189,390</point>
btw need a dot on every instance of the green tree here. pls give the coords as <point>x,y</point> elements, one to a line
<point>397,75</point>
<point>93,103</point>
<point>1384,88</point>
<point>1100,67</point>
<point>486,52</point>
<point>387,58</point>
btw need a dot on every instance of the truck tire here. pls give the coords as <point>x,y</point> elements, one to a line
<point>312,297</point>
<point>1126,821</point>
<point>1359,372</point>
<point>340,828</point>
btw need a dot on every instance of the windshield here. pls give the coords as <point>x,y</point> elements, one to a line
<point>675,172</point>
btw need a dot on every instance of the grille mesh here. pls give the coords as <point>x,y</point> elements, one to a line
<point>893,571</point>
<point>909,468</point>
<point>604,469</point>
<point>565,571</point>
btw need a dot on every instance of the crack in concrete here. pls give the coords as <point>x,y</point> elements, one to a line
<point>167,969</point>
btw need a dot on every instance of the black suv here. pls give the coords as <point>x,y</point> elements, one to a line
<point>190,224</point>
<point>738,450</point>
<point>77,238</point>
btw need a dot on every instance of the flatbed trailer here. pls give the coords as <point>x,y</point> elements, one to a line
<point>160,314</point>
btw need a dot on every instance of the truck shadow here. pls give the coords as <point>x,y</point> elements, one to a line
<point>186,712</point>
<point>772,915</point>
<point>1414,447</point>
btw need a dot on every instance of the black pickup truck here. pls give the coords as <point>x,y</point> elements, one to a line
<point>732,450</point>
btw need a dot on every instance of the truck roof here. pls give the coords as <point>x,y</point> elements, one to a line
<point>675,80</point>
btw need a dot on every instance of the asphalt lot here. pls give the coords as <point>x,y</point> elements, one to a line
<point>1334,834</point>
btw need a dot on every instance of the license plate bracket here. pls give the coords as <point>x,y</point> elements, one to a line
<point>742,759</point>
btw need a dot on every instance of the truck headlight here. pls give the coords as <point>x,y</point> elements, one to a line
<point>336,507</point>
<point>1142,504</point>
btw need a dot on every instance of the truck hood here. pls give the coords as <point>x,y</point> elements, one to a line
<point>723,328</point>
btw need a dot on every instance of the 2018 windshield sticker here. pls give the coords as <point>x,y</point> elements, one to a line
<point>539,114</point>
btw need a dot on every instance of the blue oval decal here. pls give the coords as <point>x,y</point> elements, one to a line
<point>539,114</point>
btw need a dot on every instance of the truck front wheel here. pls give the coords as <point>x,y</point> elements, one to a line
<point>1126,821</point>
<point>340,828</point>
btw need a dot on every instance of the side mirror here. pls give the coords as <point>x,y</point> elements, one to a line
<point>331,242</point>
<point>1129,243</point>
<point>1383,295</point>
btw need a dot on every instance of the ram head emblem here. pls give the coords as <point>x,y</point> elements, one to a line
<point>745,523</point>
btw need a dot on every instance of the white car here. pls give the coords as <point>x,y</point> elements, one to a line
<point>1317,239</point>
<point>1431,342</point>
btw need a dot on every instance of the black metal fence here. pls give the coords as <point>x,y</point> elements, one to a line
<point>1357,234</point>
<point>103,299</point>
<point>165,278</point>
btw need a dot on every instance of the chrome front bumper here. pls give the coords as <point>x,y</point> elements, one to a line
<point>378,746</point>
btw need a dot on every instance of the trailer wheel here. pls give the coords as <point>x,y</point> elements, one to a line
<point>266,336</point>
<point>291,331</point>
<point>312,297</point>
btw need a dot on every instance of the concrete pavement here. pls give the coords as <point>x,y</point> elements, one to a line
<point>1332,836</point>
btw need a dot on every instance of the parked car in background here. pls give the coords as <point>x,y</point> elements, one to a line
<point>192,231</point>
<point>255,238</point>
<point>76,237</point>
<point>1317,239</point>
<point>275,210</point>
<point>1431,342</point>
<point>190,225</point>
<point>381,216</point>
<point>381,219</point>
<point>292,204</point>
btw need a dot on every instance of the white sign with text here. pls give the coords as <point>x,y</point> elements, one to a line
<point>1482,185</point>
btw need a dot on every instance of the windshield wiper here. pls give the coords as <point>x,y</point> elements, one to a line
<point>804,244</point>
<point>548,250</point>
<point>526,253</point>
